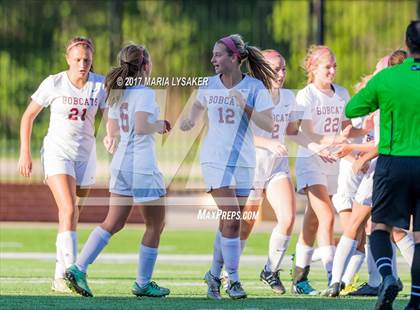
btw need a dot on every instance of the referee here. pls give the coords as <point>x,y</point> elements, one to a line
<point>395,91</point>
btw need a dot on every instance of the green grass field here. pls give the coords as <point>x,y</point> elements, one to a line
<point>25,282</point>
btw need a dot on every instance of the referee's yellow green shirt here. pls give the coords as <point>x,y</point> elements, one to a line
<point>395,91</point>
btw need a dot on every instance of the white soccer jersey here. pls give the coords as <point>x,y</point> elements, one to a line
<point>71,129</point>
<point>326,114</point>
<point>229,140</point>
<point>135,153</point>
<point>283,113</point>
<point>269,163</point>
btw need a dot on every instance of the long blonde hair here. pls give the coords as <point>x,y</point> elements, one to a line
<point>257,66</point>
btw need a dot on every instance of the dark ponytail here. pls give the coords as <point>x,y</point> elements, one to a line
<point>132,60</point>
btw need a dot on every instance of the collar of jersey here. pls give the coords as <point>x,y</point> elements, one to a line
<point>219,78</point>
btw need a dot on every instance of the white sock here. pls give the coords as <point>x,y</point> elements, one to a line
<point>374,275</point>
<point>60,269</point>
<point>316,256</point>
<point>276,249</point>
<point>303,255</point>
<point>97,240</point>
<point>243,244</point>
<point>343,254</point>
<point>353,267</point>
<point>231,251</point>
<point>217,263</point>
<point>327,257</point>
<point>68,245</point>
<point>406,246</point>
<point>394,260</point>
<point>147,260</point>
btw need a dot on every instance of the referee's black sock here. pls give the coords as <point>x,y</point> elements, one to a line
<point>415,279</point>
<point>380,244</point>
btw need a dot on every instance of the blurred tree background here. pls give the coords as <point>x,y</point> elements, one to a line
<point>180,35</point>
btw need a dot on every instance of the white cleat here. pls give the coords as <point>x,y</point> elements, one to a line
<point>60,286</point>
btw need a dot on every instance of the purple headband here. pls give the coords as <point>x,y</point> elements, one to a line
<point>231,45</point>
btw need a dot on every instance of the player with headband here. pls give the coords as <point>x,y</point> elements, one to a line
<point>232,100</point>
<point>68,152</point>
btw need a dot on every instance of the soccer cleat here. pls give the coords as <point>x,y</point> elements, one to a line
<point>150,289</point>
<point>60,286</point>
<point>365,290</point>
<point>333,290</point>
<point>304,288</point>
<point>213,283</point>
<point>235,290</point>
<point>272,279</point>
<point>349,288</point>
<point>76,281</point>
<point>388,291</point>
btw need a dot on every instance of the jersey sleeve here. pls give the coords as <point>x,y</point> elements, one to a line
<point>201,96</point>
<point>263,100</point>
<point>146,101</point>
<point>304,104</point>
<point>44,94</point>
<point>365,101</point>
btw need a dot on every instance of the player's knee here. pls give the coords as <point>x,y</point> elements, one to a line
<point>113,227</point>
<point>231,227</point>
<point>155,228</point>
<point>69,213</point>
<point>288,227</point>
<point>326,220</point>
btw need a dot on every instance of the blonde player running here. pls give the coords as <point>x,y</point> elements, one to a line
<point>272,176</point>
<point>231,99</point>
<point>135,177</point>
<point>323,104</point>
<point>69,149</point>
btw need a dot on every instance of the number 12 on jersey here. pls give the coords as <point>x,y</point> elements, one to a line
<point>227,116</point>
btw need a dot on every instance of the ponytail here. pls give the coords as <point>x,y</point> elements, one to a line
<point>132,60</point>
<point>258,66</point>
<point>256,63</point>
<point>115,83</point>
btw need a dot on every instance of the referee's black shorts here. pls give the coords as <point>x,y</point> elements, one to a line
<point>396,191</point>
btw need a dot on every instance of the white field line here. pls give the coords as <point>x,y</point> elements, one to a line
<point>110,257</point>
<point>173,258</point>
